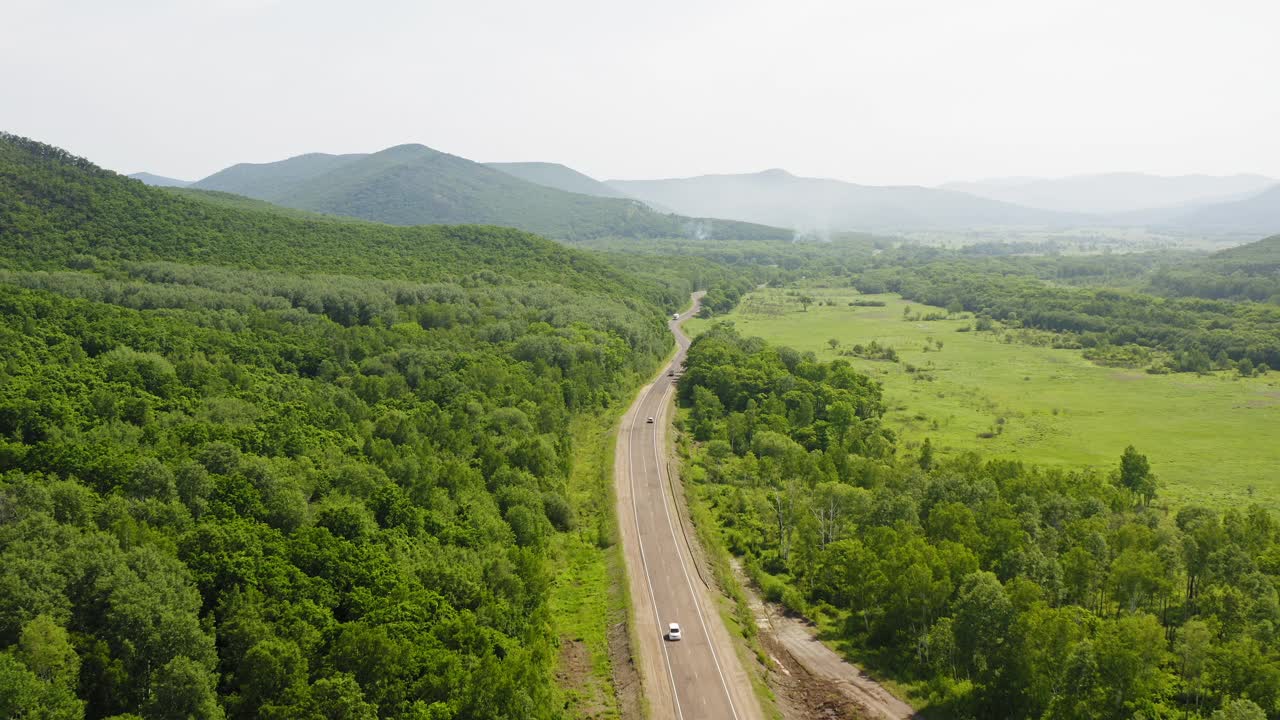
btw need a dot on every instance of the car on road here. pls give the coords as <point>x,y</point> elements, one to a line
<point>675,316</point>
<point>673,631</point>
<point>650,421</point>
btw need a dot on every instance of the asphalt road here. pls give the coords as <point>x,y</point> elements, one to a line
<point>699,676</point>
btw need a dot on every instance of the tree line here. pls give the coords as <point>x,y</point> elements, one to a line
<point>1185,330</point>
<point>994,588</point>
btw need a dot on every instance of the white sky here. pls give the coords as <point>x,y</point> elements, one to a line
<point>872,91</point>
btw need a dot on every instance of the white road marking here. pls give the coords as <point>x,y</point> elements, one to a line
<point>697,606</point>
<point>632,427</point>
<point>675,694</point>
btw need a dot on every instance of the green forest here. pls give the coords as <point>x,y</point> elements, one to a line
<point>258,464</point>
<point>992,588</point>
<point>1248,272</point>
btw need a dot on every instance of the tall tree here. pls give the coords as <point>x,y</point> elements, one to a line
<point>1135,475</point>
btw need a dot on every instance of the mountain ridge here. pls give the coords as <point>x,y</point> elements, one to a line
<point>561,177</point>
<point>777,197</point>
<point>61,209</point>
<point>159,180</point>
<point>412,184</point>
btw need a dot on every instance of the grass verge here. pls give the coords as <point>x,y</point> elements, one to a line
<point>589,592</point>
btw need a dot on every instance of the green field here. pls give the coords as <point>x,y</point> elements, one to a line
<point>1213,439</point>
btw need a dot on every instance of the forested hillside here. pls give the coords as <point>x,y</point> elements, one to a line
<point>415,185</point>
<point>255,465</point>
<point>1247,272</point>
<point>992,588</point>
<point>1261,257</point>
<point>55,207</point>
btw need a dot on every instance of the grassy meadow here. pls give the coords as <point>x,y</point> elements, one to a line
<point>1212,439</point>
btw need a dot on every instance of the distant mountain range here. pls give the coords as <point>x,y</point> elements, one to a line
<point>776,197</point>
<point>159,180</point>
<point>1247,204</point>
<point>416,185</point>
<point>1115,193</point>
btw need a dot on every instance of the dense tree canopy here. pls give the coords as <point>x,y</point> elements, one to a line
<point>1248,272</point>
<point>257,465</point>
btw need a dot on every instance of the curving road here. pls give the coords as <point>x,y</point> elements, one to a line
<point>700,676</point>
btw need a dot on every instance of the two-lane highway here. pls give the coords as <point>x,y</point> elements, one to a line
<point>700,675</point>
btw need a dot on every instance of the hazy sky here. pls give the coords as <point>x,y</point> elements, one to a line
<point>883,91</point>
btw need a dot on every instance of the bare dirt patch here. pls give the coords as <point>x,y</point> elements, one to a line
<point>811,680</point>
<point>573,674</point>
<point>626,678</point>
<point>801,696</point>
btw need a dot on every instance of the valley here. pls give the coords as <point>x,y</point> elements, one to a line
<point>377,458</point>
<point>1209,437</point>
<point>836,360</point>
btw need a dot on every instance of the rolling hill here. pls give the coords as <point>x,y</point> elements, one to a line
<point>560,177</point>
<point>776,197</point>
<point>416,185</point>
<point>159,180</point>
<point>1113,193</point>
<point>274,181</point>
<point>57,209</point>
<point>1244,272</point>
<point>1258,214</point>
<point>1265,252</point>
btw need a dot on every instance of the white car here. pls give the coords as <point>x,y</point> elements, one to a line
<point>673,631</point>
<point>650,421</point>
<point>675,316</point>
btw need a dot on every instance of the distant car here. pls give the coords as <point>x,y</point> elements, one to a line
<point>675,316</point>
<point>650,420</point>
<point>671,373</point>
<point>673,631</point>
